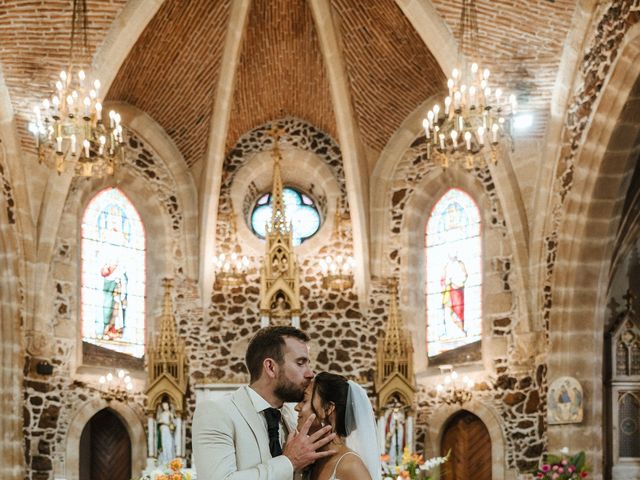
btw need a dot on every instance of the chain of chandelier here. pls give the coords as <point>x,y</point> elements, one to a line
<point>473,114</point>
<point>70,128</point>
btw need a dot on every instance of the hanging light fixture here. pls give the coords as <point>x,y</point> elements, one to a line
<point>230,265</point>
<point>474,114</point>
<point>453,392</point>
<point>70,128</point>
<point>337,271</point>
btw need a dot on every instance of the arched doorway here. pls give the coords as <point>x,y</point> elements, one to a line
<point>470,444</point>
<point>105,448</point>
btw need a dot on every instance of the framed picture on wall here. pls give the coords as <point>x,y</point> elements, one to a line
<point>565,401</point>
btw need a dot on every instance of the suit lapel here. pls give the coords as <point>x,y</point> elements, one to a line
<point>242,400</point>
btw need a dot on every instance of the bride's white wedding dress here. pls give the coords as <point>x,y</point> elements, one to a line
<point>335,469</point>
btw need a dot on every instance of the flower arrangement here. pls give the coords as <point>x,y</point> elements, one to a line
<point>411,466</point>
<point>173,471</point>
<point>563,466</point>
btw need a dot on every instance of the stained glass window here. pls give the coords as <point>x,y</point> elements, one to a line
<point>113,274</point>
<point>300,211</point>
<point>453,273</point>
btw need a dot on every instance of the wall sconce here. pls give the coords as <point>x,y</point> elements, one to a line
<point>43,367</point>
<point>231,269</point>
<point>453,391</point>
<point>337,272</point>
<point>116,385</point>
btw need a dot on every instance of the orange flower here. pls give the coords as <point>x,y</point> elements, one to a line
<point>404,474</point>
<point>176,476</point>
<point>175,464</point>
<point>384,457</point>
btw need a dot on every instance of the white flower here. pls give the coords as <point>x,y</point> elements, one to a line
<point>564,451</point>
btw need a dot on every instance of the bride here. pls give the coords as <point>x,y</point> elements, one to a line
<point>344,405</point>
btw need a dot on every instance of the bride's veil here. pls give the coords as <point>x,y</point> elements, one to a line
<point>361,429</point>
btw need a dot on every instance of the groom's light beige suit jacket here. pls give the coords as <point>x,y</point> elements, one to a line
<point>230,441</point>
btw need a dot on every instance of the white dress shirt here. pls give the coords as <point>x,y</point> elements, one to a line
<point>261,405</point>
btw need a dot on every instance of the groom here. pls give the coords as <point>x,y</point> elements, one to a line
<point>251,434</point>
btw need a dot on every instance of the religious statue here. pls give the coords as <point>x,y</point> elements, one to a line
<point>165,420</point>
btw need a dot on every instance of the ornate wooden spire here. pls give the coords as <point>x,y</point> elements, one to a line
<point>278,215</point>
<point>279,274</point>
<point>166,360</point>
<point>394,357</point>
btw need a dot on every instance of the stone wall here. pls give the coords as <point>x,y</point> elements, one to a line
<point>52,402</point>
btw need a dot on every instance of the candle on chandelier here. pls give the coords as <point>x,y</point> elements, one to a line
<point>425,125</point>
<point>98,111</point>
<point>55,101</point>
<point>81,77</point>
<point>102,141</point>
<point>494,132</point>
<point>467,139</point>
<point>73,144</point>
<point>454,138</point>
<point>436,111</point>
<point>87,104</point>
<point>59,144</point>
<point>481,136</point>
<point>457,100</point>
<point>86,144</point>
<point>442,141</point>
<point>447,104</point>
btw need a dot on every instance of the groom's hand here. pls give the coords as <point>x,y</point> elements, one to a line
<point>302,449</point>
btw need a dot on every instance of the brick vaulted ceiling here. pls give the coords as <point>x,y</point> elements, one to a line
<point>172,71</point>
<point>521,42</point>
<point>390,70</point>
<point>281,71</point>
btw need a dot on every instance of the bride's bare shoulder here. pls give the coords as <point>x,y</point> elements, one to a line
<point>352,468</point>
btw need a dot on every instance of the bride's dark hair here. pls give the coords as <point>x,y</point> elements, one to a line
<point>332,388</point>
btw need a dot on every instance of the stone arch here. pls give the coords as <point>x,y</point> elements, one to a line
<point>164,148</point>
<point>585,244</point>
<point>12,352</point>
<point>299,168</point>
<point>132,422</point>
<point>158,252</point>
<point>491,419</point>
<point>416,215</point>
<point>405,146</point>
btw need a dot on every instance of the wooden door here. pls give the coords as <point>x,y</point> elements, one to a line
<point>105,448</point>
<point>468,439</point>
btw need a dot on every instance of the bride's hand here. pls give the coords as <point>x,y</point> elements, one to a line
<point>301,448</point>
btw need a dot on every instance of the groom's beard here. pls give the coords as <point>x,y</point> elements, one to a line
<point>287,391</point>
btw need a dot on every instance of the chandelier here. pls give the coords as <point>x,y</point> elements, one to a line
<point>337,271</point>
<point>474,114</point>
<point>452,392</point>
<point>116,384</point>
<point>70,128</point>
<point>231,267</point>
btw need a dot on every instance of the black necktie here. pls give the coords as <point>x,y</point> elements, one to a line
<point>273,427</point>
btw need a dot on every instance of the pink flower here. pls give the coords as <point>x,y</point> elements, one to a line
<point>555,475</point>
<point>546,468</point>
<point>564,462</point>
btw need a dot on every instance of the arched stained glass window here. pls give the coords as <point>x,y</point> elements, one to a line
<point>113,274</point>
<point>454,273</point>
<point>300,211</point>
